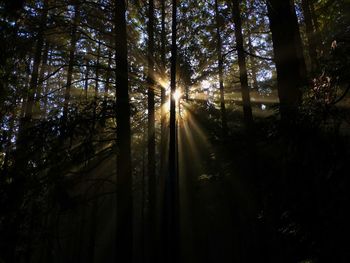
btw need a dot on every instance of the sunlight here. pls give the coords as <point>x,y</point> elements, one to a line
<point>177,95</point>
<point>206,84</point>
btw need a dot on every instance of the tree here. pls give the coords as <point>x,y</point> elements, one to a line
<point>170,230</point>
<point>310,33</point>
<point>247,109</point>
<point>289,59</point>
<point>124,230</point>
<point>72,50</point>
<point>151,130</point>
<point>220,67</point>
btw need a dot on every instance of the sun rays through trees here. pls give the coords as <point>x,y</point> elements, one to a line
<point>174,131</point>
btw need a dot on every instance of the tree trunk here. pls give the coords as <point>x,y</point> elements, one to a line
<point>124,229</point>
<point>86,82</point>
<point>247,109</point>
<point>163,138</point>
<point>151,132</point>
<point>290,65</point>
<point>33,86</point>
<point>43,70</point>
<point>221,78</point>
<point>310,34</point>
<point>171,237</point>
<point>97,76</point>
<point>73,42</point>
<point>106,90</point>
<point>252,63</point>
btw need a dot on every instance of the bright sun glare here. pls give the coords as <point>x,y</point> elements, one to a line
<point>177,95</point>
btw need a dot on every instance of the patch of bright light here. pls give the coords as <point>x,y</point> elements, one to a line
<point>177,95</point>
<point>263,106</point>
<point>206,84</point>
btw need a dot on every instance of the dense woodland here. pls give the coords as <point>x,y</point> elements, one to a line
<point>174,131</point>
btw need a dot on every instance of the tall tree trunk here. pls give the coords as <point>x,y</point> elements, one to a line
<point>290,65</point>
<point>310,34</point>
<point>171,237</point>
<point>46,88</point>
<point>86,82</point>
<point>163,138</point>
<point>247,109</point>
<point>151,168</point>
<point>33,86</point>
<point>221,78</point>
<point>97,76</point>
<point>252,62</point>
<point>106,89</point>
<point>43,70</point>
<point>124,230</point>
<point>73,42</point>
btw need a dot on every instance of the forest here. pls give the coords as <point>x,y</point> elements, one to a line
<point>174,131</point>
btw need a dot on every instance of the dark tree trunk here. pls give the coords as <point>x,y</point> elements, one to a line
<point>46,89</point>
<point>171,237</point>
<point>72,48</point>
<point>253,63</point>
<point>33,86</point>
<point>163,138</point>
<point>221,77</point>
<point>124,229</point>
<point>106,89</point>
<point>247,109</point>
<point>97,76</point>
<point>290,64</point>
<point>86,83</point>
<point>43,70</point>
<point>151,167</point>
<point>310,34</point>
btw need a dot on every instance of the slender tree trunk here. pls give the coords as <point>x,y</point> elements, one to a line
<point>310,34</point>
<point>171,237</point>
<point>252,63</point>
<point>43,70</point>
<point>46,89</point>
<point>33,86</point>
<point>106,89</point>
<point>151,168</point>
<point>97,76</point>
<point>247,109</point>
<point>290,66</point>
<point>124,229</point>
<point>163,139</point>
<point>221,78</point>
<point>73,42</point>
<point>86,82</point>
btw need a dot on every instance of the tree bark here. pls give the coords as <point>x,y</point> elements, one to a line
<point>253,63</point>
<point>151,168</point>
<point>247,109</point>
<point>73,42</point>
<point>221,78</point>
<point>86,82</point>
<point>97,76</point>
<point>33,86</point>
<point>163,112</point>
<point>310,34</point>
<point>124,229</point>
<point>170,230</point>
<point>290,65</point>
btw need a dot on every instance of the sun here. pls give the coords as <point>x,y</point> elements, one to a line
<point>177,95</point>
